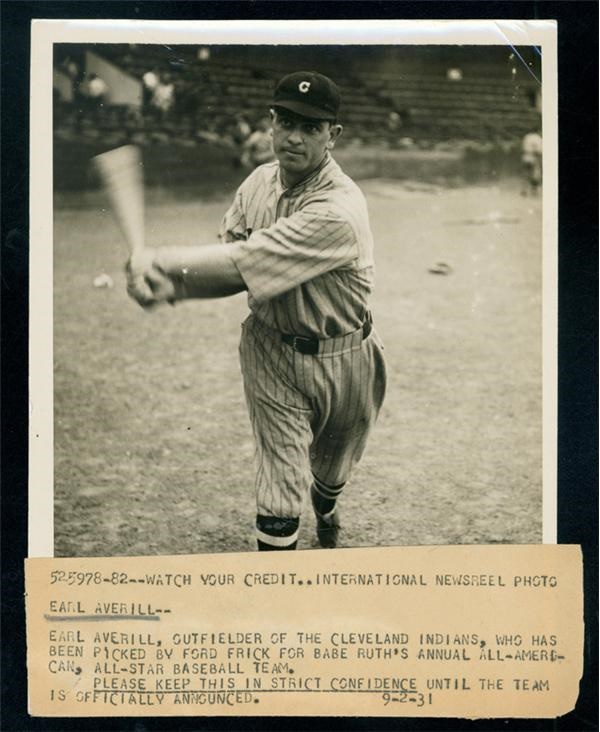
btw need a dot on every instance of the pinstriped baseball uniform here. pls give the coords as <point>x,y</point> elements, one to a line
<point>307,260</point>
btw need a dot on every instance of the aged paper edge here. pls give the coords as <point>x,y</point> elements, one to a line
<point>519,647</point>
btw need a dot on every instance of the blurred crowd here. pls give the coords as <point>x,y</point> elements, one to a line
<point>220,105</point>
<point>165,115</point>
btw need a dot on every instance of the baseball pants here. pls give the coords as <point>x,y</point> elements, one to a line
<point>310,414</point>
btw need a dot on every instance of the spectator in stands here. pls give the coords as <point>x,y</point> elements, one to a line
<point>97,90</point>
<point>66,102</point>
<point>150,81</point>
<point>531,159</point>
<point>242,129</point>
<point>90,100</point>
<point>258,148</point>
<point>163,98</point>
<point>71,69</point>
<point>75,74</point>
<point>394,122</point>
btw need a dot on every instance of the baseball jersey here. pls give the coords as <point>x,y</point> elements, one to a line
<point>306,252</point>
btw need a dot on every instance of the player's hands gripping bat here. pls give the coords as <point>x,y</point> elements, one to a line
<point>147,282</point>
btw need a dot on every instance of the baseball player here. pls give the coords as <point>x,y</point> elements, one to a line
<point>297,238</point>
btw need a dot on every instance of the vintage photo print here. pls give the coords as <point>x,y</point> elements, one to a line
<point>373,201</point>
<point>294,287</point>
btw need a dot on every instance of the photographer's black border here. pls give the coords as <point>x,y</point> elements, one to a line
<point>578,324</point>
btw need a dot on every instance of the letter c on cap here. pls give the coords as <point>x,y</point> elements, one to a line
<point>304,86</point>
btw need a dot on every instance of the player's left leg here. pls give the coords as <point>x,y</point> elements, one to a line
<point>353,390</point>
<point>324,499</point>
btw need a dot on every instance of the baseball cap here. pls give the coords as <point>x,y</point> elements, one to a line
<point>309,94</point>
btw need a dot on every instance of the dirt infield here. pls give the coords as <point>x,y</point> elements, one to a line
<point>153,449</point>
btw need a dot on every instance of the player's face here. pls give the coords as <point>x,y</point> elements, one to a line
<point>300,143</point>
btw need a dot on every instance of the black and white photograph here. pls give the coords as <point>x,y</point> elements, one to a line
<point>371,216</point>
<point>297,285</point>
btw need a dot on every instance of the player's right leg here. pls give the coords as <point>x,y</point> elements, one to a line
<point>280,418</point>
<point>276,533</point>
<point>282,436</point>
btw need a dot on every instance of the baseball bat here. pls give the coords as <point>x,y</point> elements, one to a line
<point>121,174</point>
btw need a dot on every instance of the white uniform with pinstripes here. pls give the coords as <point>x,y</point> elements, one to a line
<point>308,265</point>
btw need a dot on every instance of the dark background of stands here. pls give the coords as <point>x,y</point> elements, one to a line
<point>444,129</point>
<point>490,101</point>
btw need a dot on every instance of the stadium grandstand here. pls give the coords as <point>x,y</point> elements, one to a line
<point>394,97</point>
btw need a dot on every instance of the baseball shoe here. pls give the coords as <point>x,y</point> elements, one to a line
<point>328,527</point>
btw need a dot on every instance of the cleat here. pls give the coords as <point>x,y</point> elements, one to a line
<point>328,525</point>
<point>328,530</point>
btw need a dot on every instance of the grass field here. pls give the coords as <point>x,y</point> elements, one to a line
<point>153,449</point>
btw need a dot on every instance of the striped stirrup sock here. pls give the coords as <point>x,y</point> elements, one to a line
<point>324,497</point>
<point>276,534</point>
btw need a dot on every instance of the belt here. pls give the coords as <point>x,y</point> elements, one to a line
<point>310,346</point>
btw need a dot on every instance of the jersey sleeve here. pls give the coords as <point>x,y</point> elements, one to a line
<point>294,250</point>
<point>233,225</point>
